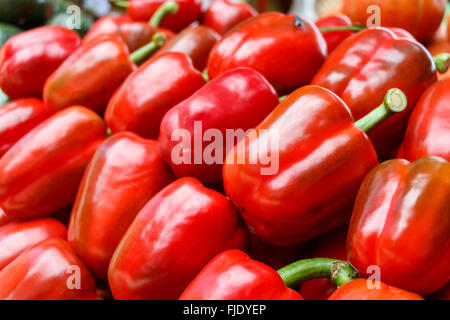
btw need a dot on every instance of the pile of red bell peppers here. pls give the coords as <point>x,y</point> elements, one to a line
<point>117,182</point>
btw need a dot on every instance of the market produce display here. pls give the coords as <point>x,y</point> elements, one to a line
<point>222,150</point>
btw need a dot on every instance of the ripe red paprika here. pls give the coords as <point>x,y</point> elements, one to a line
<point>331,245</point>
<point>420,17</point>
<point>41,173</point>
<point>18,236</point>
<point>334,38</point>
<point>171,239</point>
<point>223,15</point>
<point>92,74</point>
<point>4,219</point>
<point>28,59</point>
<point>193,133</point>
<point>401,223</point>
<point>125,172</point>
<point>197,42</point>
<point>286,49</point>
<point>47,271</point>
<point>428,132</point>
<point>17,118</point>
<point>232,275</point>
<point>134,33</point>
<point>188,12</point>
<point>150,92</point>
<point>312,141</point>
<point>362,69</point>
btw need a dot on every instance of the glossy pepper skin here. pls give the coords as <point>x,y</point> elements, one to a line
<point>188,12</point>
<point>233,275</point>
<point>171,239</point>
<point>420,17</point>
<point>4,219</point>
<point>397,206</point>
<point>365,66</point>
<point>335,38</point>
<point>17,118</point>
<point>29,58</point>
<point>331,245</point>
<point>223,15</point>
<point>150,92</point>
<point>197,42</point>
<point>285,49</point>
<point>134,34</point>
<point>238,99</point>
<point>428,132</point>
<point>47,271</point>
<point>18,236</point>
<point>297,202</point>
<point>358,290</point>
<point>41,173</point>
<point>125,172</point>
<point>97,68</point>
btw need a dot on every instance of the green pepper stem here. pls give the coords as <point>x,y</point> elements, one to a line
<point>138,56</point>
<point>206,75</point>
<point>394,102</point>
<point>353,28</point>
<point>442,62</point>
<point>282,98</point>
<point>119,3</point>
<point>168,7</point>
<point>338,271</point>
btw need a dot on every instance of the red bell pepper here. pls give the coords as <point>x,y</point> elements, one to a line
<point>144,98</point>
<point>142,10</point>
<point>334,38</point>
<point>47,271</point>
<point>286,49</point>
<point>125,172</point>
<point>91,75</point>
<point>442,294</point>
<point>292,198</point>
<point>361,70</point>
<point>237,100</point>
<point>18,236</point>
<point>17,118</point>
<point>358,290</point>
<point>4,219</point>
<point>196,42</point>
<point>134,33</point>
<point>171,239</point>
<point>401,224</point>
<point>421,18</point>
<point>232,275</point>
<point>28,59</point>
<point>223,15</point>
<point>41,173</point>
<point>331,245</point>
<point>428,132</point>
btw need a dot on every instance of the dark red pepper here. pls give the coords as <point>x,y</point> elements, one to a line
<point>223,15</point>
<point>28,59</point>
<point>144,98</point>
<point>197,42</point>
<point>285,49</point>
<point>171,239</point>
<point>125,172</point>
<point>362,69</point>
<point>401,224</point>
<point>41,173</point>
<point>334,38</point>
<point>237,100</point>
<point>17,118</point>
